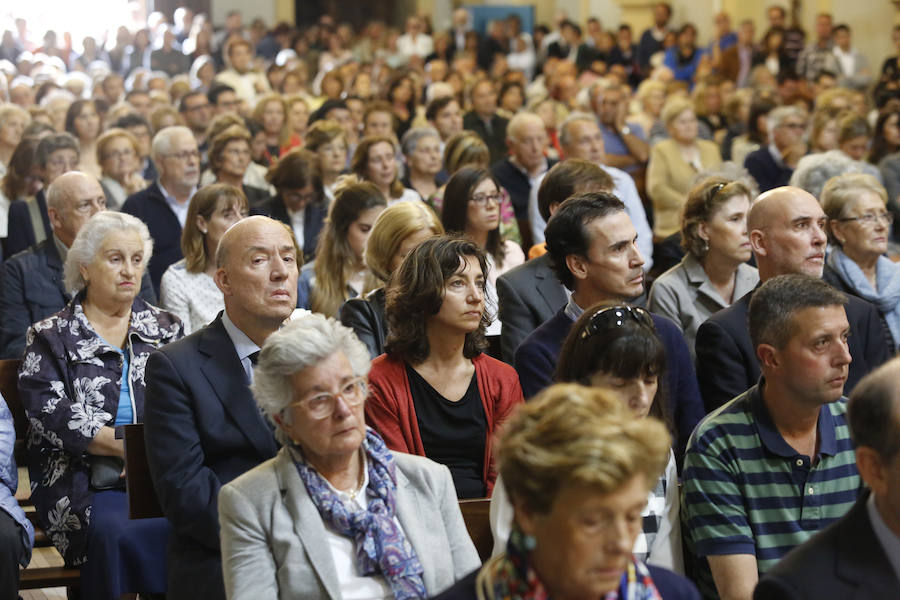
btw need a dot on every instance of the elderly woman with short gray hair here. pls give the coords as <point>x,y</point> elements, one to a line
<point>859,225</point>
<point>82,377</point>
<point>335,514</point>
<point>423,150</point>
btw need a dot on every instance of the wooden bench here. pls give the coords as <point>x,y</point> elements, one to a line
<point>40,577</point>
<point>476,514</point>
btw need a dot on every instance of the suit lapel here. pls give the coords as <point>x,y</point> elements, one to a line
<point>308,525</point>
<point>54,264</point>
<point>411,515</point>
<point>225,374</point>
<point>549,288</point>
<point>860,557</point>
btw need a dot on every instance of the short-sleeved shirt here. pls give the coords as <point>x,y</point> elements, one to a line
<point>615,145</point>
<point>747,491</point>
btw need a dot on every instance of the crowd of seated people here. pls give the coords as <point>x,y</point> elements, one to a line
<point>621,283</point>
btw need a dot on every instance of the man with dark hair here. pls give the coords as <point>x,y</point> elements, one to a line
<point>484,120</point>
<point>530,293</point>
<point>566,47</point>
<point>776,464</point>
<point>787,235</point>
<point>140,101</point>
<point>444,114</point>
<point>196,111</point>
<point>591,248</point>
<point>818,55</point>
<point>653,37</point>
<point>223,99</point>
<point>858,556</point>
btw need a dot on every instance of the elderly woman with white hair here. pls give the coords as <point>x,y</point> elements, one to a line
<point>335,514</point>
<point>81,379</point>
<point>859,225</point>
<point>423,150</point>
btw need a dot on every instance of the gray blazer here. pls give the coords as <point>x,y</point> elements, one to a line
<point>685,295</point>
<point>273,539</point>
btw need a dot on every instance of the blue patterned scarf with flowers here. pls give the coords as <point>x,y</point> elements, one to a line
<point>381,547</point>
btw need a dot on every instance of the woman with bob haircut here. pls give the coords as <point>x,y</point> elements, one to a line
<point>714,271</point>
<point>229,159</point>
<point>580,468</point>
<point>339,270</point>
<point>472,208</point>
<point>188,288</point>
<point>82,376</point>
<point>335,514</point>
<point>329,141</point>
<point>859,226</point>
<point>434,393</point>
<point>375,160</point>
<point>272,114</point>
<point>396,231</point>
<point>83,122</point>
<point>299,201</point>
<point>614,347</point>
<point>118,155</point>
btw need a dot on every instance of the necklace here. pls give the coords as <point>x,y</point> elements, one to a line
<point>352,494</point>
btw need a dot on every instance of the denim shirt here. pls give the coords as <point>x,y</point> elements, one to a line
<point>9,481</point>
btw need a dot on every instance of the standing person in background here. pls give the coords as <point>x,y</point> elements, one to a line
<point>484,120</point>
<point>653,37</point>
<point>240,76</point>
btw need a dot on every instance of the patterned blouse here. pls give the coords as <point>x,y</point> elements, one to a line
<point>69,385</point>
<point>192,297</point>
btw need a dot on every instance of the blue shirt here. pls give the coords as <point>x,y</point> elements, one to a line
<point>125,413</point>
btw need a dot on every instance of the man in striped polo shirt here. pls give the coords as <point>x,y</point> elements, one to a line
<point>773,466</point>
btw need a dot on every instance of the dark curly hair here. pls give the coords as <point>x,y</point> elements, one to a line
<point>416,292</point>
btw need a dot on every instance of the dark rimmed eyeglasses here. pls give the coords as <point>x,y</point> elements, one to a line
<point>610,317</point>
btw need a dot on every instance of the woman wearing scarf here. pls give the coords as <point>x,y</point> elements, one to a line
<point>859,224</point>
<point>335,514</point>
<point>578,467</point>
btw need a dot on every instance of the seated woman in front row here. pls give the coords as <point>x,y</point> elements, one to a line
<point>434,393</point>
<point>579,468</point>
<point>335,514</point>
<point>81,378</point>
<point>614,347</point>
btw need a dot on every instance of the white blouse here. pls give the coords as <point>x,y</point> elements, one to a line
<point>192,297</point>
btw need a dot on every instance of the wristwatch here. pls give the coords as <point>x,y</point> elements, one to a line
<point>626,130</point>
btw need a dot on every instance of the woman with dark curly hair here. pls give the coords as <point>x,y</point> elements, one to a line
<point>434,393</point>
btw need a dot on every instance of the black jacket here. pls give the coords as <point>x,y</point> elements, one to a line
<point>313,221</point>
<point>150,206</point>
<point>365,316</point>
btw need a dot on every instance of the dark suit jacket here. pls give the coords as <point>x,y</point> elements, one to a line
<point>845,560</point>
<point>365,316</point>
<point>671,586</point>
<point>495,140</point>
<point>767,173</point>
<point>21,233</point>
<point>536,363</point>
<point>32,290</point>
<point>150,206</point>
<point>255,195</point>
<point>528,295</point>
<point>202,430</point>
<point>313,220</point>
<point>726,359</point>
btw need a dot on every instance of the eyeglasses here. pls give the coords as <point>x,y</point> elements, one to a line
<point>869,219</point>
<point>610,317</point>
<point>184,155</point>
<point>483,199</point>
<point>198,107</point>
<point>794,125</point>
<point>321,406</point>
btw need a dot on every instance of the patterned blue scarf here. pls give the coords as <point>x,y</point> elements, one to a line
<point>887,277</point>
<point>381,547</point>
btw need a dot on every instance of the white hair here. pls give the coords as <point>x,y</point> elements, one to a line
<point>91,237</point>
<point>437,89</point>
<point>162,141</point>
<point>780,114</point>
<point>565,138</point>
<point>519,120</point>
<point>814,170</point>
<point>302,343</point>
<point>411,138</point>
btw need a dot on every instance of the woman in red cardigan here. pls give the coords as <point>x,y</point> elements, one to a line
<point>434,393</point>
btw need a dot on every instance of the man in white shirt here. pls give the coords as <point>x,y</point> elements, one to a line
<point>415,42</point>
<point>247,83</point>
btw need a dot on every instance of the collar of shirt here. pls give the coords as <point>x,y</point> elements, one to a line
<point>890,541</point>
<point>180,209</point>
<point>572,310</point>
<point>243,345</point>
<point>61,248</point>
<point>772,439</point>
<point>531,179</point>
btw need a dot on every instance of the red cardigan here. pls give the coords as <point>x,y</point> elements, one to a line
<point>390,409</point>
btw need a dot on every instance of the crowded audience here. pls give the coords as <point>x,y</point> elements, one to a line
<point>697,220</point>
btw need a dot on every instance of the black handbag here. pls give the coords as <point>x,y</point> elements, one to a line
<point>105,473</point>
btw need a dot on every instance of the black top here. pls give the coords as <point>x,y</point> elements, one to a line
<point>453,433</point>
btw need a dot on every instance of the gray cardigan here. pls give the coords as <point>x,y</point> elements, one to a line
<point>273,539</point>
<point>685,295</point>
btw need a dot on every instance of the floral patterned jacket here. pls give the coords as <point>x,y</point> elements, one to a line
<point>69,384</point>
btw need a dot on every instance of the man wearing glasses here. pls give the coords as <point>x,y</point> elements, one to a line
<point>203,427</point>
<point>163,205</point>
<point>772,166</point>
<point>196,111</point>
<point>591,243</point>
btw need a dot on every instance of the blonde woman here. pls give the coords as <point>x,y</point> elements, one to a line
<point>327,139</point>
<point>118,155</point>
<point>375,160</point>
<point>272,114</point>
<point>339,271</point>
<point>651,95</point>
<point>397,230</point>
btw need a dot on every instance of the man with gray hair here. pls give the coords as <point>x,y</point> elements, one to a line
<point>32,284</point>
<point>163,205</point>
<point>859,556</point>
<point>521,171</point>
<point>202,425</point>
<point>772,166</point>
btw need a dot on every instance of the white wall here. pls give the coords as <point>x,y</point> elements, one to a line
<point>264,9</point>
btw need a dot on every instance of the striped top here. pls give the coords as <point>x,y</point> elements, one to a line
<point>747,491</point>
